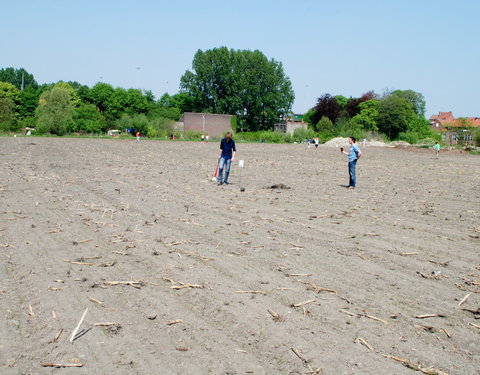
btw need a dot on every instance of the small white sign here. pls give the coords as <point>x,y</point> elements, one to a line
<point>240,163</point>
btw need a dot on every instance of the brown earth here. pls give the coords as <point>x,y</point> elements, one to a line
<point>76,214</point>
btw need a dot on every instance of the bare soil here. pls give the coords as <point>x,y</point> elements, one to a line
<point>345,274</point>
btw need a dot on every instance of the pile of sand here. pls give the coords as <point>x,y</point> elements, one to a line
<point>343,142</point>
<point>400,144</point>
<point>378,144</point>
<point>337,142</point>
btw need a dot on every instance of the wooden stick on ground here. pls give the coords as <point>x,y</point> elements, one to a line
<point>474,325</point>
<point>430,316</point>
<point>413,366</point>
<point>464,299</point>
<point>347,312</point>
<point>250,291</point>
<point>300,304</point>
<point>365,343</point>
<point>446,332</point>
<point>74,333</point>
<point>61,365</point>
<point>173,322</point>
<point>184,285</point>
<point>106,324</point>
<point>377,319</point>
<point>295,351</point>
<point>95,300</point>
<point>276,316</point>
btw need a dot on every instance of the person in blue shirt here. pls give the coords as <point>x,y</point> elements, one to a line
<point>226,157</point>
<point>353,155</point>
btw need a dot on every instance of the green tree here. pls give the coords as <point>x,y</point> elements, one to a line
<point>8,116</point>
<point>325,125</point>
<point>342,101</point>
<point>415,98</point>
<point>29,101</point>
<point>87,119</point>
<point>160,127</point>
<point>308,117</point>
<point>8,90</point>
<point>55,111</point>
<point>239,82</point>
<point>9,106</point>
<point>14,76</point>
<point>101,95</point>
<point>394,115</point>
<point>135,102</point>
<point>476,136</point>
<point>367,118</point>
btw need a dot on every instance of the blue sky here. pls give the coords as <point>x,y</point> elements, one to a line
<point>341,47</point>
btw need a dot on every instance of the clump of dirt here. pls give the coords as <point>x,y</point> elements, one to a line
<point>279,187</point>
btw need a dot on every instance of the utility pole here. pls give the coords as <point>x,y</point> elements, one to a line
<point>23,79</point>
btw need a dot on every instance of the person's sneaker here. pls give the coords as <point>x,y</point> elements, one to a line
<point>351,187</point>
<point>220,183</point>
<point>225,183</point>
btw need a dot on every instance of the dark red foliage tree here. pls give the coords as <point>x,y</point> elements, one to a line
<point>353,104</point>
<point>326,106</point>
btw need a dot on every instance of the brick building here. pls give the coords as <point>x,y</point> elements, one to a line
<point>291,123</point>
<point>454,129</point>
<point>206,123</point>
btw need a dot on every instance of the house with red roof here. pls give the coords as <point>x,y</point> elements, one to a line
<point>454,129</point>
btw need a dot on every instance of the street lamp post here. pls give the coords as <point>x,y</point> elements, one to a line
<point>203,123</point>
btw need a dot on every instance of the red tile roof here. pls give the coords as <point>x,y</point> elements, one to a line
<point>469,122</point>
<point>443,118</point>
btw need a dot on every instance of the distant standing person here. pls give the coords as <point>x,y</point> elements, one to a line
<point>437,149</point>
<point>207,138</point>
<point>138,137</point>
<point>353,155</point>
<point>203,137</point>
<point>316,142</point>
<point>226,157</point>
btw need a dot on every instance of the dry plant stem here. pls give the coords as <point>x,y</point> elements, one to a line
<point>295,351</point>
<point>413,366</point>
<point>250,291</point>
<point>365,343</point>
<point>430,316</point>
<point>464,299</point>
<point>300,304</point>
<point>74,333</point>
<point>446,332</point>
<point>377,319</point>
<point>95,300</point>
<point>61,365</point>
<point>173,322</point>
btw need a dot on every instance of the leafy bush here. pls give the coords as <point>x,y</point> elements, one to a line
<point>87,119</point>
<point>324,125</point>
<point>301,135</point>
<point>192,135</point>
<point>55,111</point>
<point>233,123</point>
<point>476,136</point>
<point>160,127</point>
<point>261,136</point>
<point>139,122</point>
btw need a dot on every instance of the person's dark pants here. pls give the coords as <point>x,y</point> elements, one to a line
<point>351,171</point>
